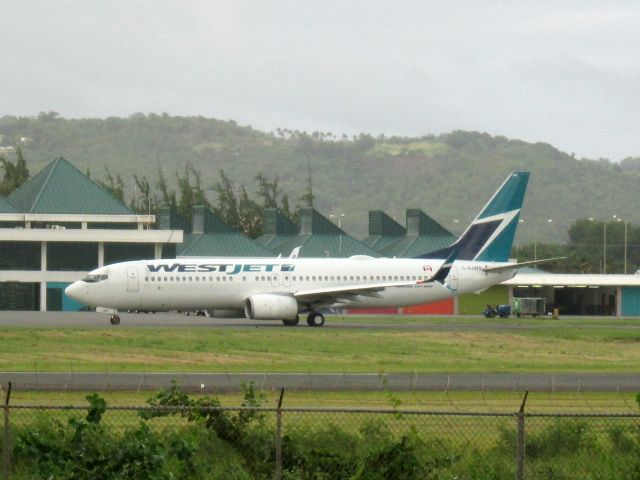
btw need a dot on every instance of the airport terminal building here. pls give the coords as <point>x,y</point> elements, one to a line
<point>58,226</point>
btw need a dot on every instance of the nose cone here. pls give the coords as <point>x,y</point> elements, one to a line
<point>74,291</point>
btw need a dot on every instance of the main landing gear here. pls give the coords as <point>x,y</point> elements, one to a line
<point>315,319</point>
<point>292,322</point>
<point>115,320</point>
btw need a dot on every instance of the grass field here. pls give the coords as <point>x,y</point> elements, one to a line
<point>426,345</point>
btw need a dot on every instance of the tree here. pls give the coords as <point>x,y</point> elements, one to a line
<point>115,186</point>
<point>14,174</point>
<point>307,198</point>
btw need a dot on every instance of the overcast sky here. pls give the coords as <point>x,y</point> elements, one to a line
<point>561,72</point>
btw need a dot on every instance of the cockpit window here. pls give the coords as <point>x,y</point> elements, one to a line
<point>93,277</point>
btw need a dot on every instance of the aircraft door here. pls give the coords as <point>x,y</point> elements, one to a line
<point>286,280</point>
<point>132,279</point>
<point>274,280</point>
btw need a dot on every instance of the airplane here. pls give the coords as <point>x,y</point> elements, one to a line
<point>283,288</point>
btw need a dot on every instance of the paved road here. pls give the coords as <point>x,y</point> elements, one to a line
<point>220,382</point>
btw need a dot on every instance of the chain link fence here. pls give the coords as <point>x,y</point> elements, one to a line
<point>310,443</point>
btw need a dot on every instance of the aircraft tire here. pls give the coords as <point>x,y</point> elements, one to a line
<point>292,322</point>
<point>115,320</point>
<point>315,319</point>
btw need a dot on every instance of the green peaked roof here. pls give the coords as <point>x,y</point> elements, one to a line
<point>211,237</point>
<point>318,237</point>
<point>383,230</point>
<point>62,188</point>
<point>6,206</point>
<point>423,235</point>
<point>226,244</point>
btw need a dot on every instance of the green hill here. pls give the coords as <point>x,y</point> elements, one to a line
<point>449,176</point>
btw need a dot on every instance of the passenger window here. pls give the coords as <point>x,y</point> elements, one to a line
<point>244,279</point>
<point>146,279</point>
<point>224,279</point>
<point>231,279</point>
<point>165,279</point>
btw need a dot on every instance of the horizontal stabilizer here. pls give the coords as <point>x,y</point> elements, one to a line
<point>511,266</point>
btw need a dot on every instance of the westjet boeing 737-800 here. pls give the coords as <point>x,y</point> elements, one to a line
<point>283,288</point>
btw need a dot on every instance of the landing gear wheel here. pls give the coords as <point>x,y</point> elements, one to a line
<point>315,319</point>
<point>292,322</point>
<point>115,320</point>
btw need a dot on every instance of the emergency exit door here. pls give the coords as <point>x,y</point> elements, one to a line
<point>132,279</point>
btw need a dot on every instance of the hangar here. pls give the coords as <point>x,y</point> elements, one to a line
<point>579,294</point>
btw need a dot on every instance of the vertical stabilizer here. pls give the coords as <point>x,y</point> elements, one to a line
<point>490,235</point>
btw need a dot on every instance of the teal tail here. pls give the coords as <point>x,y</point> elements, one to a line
<point>490,236</point>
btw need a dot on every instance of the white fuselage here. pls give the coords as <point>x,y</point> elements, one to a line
<point>226,283</point>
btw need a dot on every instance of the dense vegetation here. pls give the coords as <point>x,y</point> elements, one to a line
<point>447,175</point>
<point>187,437</point>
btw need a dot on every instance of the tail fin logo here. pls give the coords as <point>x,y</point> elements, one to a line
<point>490,235</point>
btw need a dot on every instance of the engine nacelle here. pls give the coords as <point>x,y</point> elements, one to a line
<point>267,306</point>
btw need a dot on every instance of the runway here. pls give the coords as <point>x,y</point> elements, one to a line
<point>225,382</point>
<point>177,320</point>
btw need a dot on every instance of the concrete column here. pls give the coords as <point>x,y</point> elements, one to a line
<point>158,251</point>
<point>100,254</point>
<point>618,301</point>
<point>43,268</point>
<point>43,296</point>
<point>43,256</point>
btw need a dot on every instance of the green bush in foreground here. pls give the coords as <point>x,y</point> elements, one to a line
<point>198,441</point>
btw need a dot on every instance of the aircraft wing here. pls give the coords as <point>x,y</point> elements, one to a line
<point>347,292</point>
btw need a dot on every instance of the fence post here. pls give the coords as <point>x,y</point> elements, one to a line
<point>520,453</point>
<point>279,437</point>
<point>5,444</point>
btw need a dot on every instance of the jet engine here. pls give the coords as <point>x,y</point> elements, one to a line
<point>267,306</point>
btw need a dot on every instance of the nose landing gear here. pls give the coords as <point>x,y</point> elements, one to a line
<point>115,320</point>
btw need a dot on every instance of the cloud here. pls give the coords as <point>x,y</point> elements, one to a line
<point>565,73</point>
